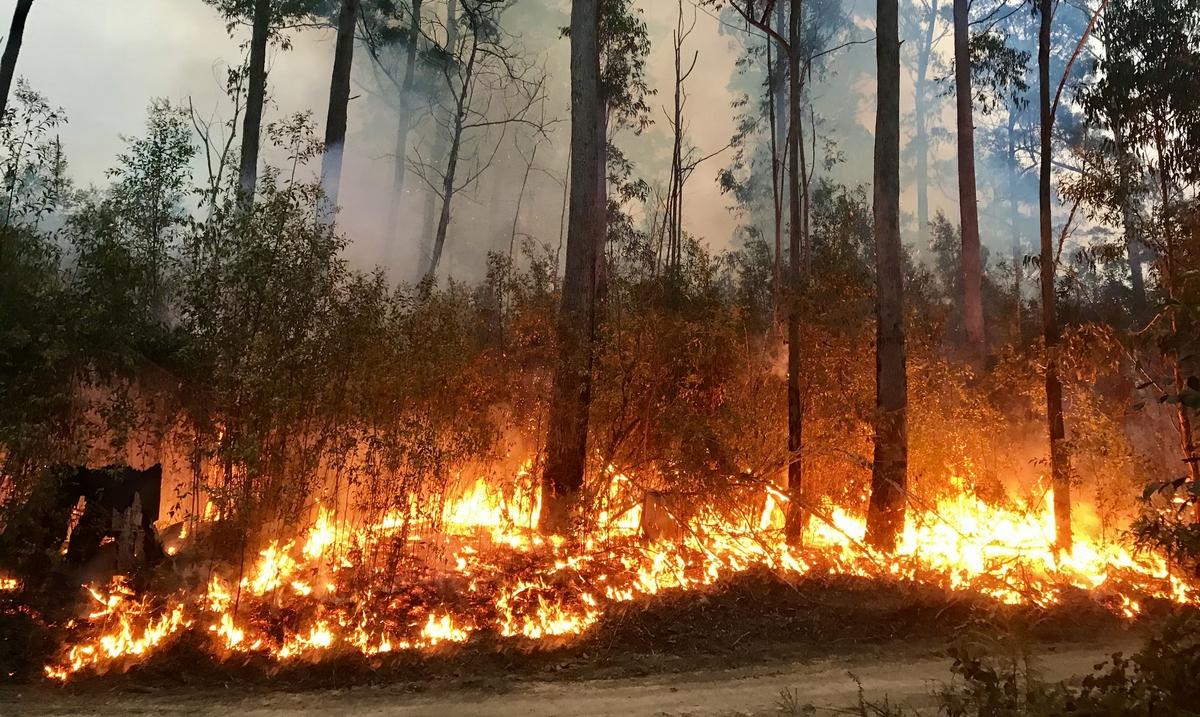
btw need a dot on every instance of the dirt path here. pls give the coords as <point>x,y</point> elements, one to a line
<point>903,674</point>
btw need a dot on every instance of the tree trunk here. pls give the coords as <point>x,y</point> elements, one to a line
<point>448,177</point>
<point>1060,465</point>
<point>889,474</point>
<point>601,291</point>
<point>775,118</point>
<point>404,123</point>
<point>1125,172</point>
<point>675,193</point>
<point>796,515</point>
<point>1170,276</point>
<point>968,203</point>
<point>1129,223</point>
<point>256,94</point>
<point>921,100</point>
<point>779,139</point>
<point>428,227</point>
<point>566,441</point>
<point>1014,217</point>
<point>339,102</point>
<point>12,48</point>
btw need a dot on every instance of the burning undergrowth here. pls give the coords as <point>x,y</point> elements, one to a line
<point>480,581</point>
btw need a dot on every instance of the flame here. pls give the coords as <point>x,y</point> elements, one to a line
<point>507,579</point>
<point>129,631</point>
<point>320,537</point>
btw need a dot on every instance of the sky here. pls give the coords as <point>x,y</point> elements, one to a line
<point>102,61</point>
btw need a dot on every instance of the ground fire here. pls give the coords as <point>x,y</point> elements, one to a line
<point>602,357</point>
<point>483,566</point>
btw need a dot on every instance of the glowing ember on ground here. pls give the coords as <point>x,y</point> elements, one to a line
<point>304,598</point>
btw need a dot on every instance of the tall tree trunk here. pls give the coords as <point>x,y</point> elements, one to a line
<point>675,195</point>
<point>12,48</point>
<point>775,118</point>
<point>1014,218</point>
<point>1060,462</point>
<point>428,226</point>
<point>566,442</point>
<point>339,104</point>
<point>779,143</point>
<point>1125,172</point>
<point>601,291</point>
<point>256,95</point>
<point>1170,276</point>
<point>404,124</point>
<point>449,176</point>
<point>797,515</point>
<point>1129,222</point>
<point>921,100</point>
<point>889,474</point>
<point>968,203</point>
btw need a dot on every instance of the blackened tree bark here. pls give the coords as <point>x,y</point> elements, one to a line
<point>968,203</point>
<point>566,443</point>
<point>1060,462</point>
<point>889,476</point>
<point>256,94</point>
<point>404,121</point>
<point>339,106</point>
<point>796,515</point>
<point>12,48</point>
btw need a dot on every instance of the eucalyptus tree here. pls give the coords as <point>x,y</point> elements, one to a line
<point>492,88</point>
<point>567,429</point>
<point>1060,460</point>
<point>968,200</point>
<point>624,47</point>
<point>393,28</point>
<point>803,43</point>
<point>1000,69</point>
<point>889,469</point>
<point>268,20</point>
<point>609,44</point>
<point>339,101</point>
<point>923,28</point>
<point>1146,95</point>
<point>12,48</point>
<point>761,16</point>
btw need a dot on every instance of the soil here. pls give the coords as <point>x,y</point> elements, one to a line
<point>904,674</point>
<point>726,652</point>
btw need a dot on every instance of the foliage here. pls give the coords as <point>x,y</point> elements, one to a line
<point>997,71</point>
<point>1159,679</point>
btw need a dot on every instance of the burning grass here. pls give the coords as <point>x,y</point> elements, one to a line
<point>482,576</point>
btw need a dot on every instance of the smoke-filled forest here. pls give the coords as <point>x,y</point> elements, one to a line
<point>598,357</point>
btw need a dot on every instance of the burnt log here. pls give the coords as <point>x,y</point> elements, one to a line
<point>39,528</point>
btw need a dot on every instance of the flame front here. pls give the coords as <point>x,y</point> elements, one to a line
<point>299,600</point>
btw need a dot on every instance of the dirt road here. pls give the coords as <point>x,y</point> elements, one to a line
<point>904,674</point>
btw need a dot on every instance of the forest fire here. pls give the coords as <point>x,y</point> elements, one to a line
<point>575,341</point>
<point>307,598</point>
